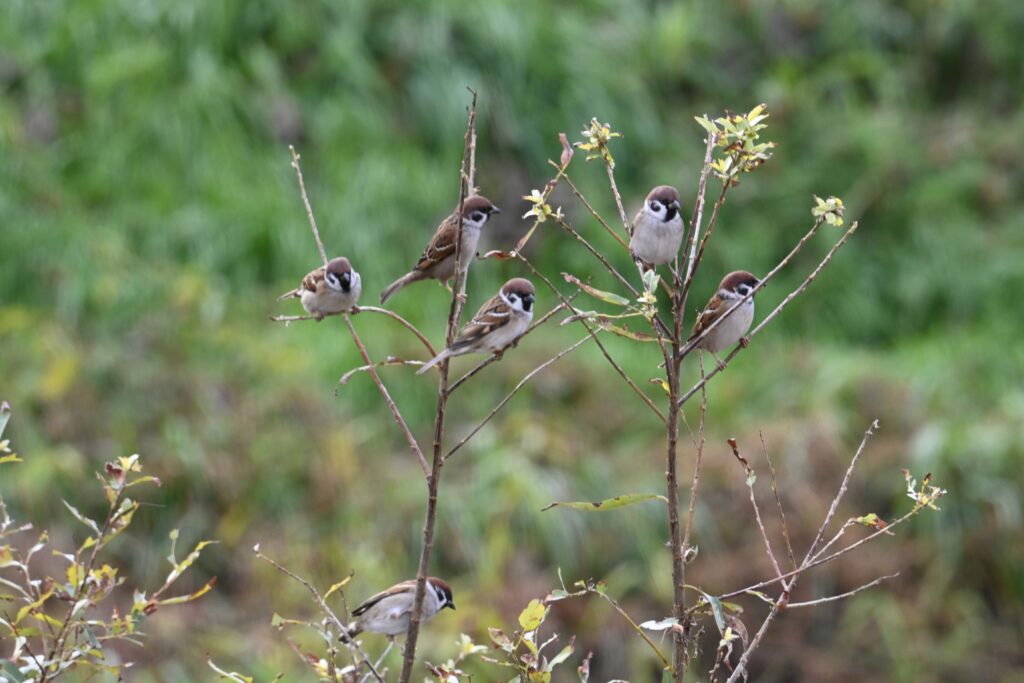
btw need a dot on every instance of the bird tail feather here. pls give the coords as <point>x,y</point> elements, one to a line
<point>398,284</point>
<point>351,631</point>
<point>447,353</point>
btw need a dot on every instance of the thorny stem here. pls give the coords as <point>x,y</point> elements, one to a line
<point>466,185</point>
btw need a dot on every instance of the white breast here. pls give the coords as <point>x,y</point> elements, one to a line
<point>656,242</point>
<point>328,300</point>
<point>507,334</point>
<point>729,331</point>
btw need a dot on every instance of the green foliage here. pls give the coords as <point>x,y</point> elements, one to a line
<point>56,630</point>
<point>149,218</point>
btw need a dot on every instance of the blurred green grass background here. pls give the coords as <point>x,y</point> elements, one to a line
<point>149,217</point>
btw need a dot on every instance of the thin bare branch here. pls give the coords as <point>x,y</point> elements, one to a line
<point>843,596</point>
<point>309,208</point>
<point>328,613</point>
<point>530,375</point>
<point>698,209</point>
<point>622,373</point>
<point>842,492</point>
<point>414,446</point>
<point>594,213</point>
<point>753,501</point>
<point>405,323</point>
<point>694,485</point>
<point>618,197</point>
<point>493,358</point>
<point>778,502</point>
<point>390,360</point>
<point>778,309</point>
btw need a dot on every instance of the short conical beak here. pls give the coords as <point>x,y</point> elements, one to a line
<point>495,209</point>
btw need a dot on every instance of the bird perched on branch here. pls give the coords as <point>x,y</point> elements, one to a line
<point>438,259</point>
<point>657,231</point>
<point>499,323</point>
<point>333,288</point>
<point>733,288</point>
<point>390,611</point>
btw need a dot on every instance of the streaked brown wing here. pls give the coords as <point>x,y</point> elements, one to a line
<point>403,587</point>
<point>492,315</point>
<point>715,308</point>
<point>442,244</point>
<point>310,283</point>
<point>313,280</point>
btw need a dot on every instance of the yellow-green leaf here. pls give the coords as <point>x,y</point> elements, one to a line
<point>610,503</point>
<point>607,297</point>
<point>532,617</point>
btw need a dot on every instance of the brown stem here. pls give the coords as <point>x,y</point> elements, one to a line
<point>493,358</point>
<point>778,309</point>
<point>466,184</point>
<point>512,393</point>
<point>305,202</point>
<point>622,373</point>
<point>595,214</point>
<point>414,446</point>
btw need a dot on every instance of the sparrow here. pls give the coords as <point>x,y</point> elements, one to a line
<point>438,259</point>
<point>390,611</point>
<point>499,323</point>
<point>657,231</point>
<point>733,287</point>
<point>331,289</point>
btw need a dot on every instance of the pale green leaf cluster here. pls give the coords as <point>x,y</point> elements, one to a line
<point>738,137</point>
<point>831,210</point>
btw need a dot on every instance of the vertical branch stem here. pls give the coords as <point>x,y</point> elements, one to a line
<point>467,174</point>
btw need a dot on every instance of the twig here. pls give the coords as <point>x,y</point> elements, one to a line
<point>622,373</point>
<point>530,375</point>
<point>413,444</point>
<point>390,360</point>
<point>408,325</point>
<point>696,470</point>
<point>753,502</point>
<point>785,302</point>
<point>808,561</point>
<point>847,594</point>
<point>618,197</point>
<point>594,213</point>
<point>305,201</point>
<point>493,358</point>
<point>466,183</point>
<point>325,609</point>
<point>698,212</point>
<point>362,309</point>
<point>842,491</point>
<point>778,501</point>
<point>380,660</point>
